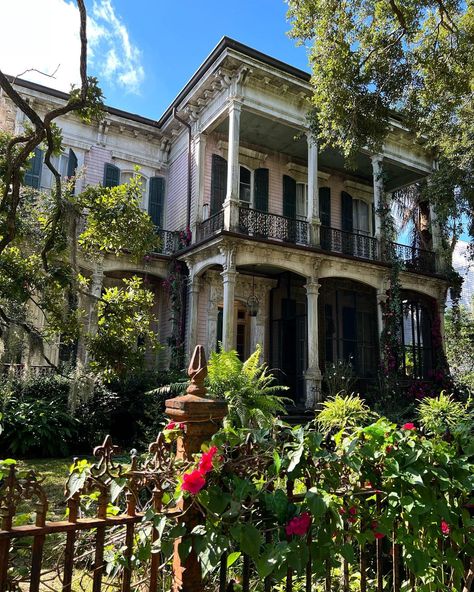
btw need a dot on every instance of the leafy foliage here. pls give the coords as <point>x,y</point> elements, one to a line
<point>373,57</point>
<point>248,387</point>
<point>443,415</point>
<point>339,377</point>
<point>343,413</point>
<point>459,338</point>
<point>124,330</point>
<point>113,218</point>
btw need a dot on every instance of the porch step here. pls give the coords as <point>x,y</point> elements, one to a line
<point>297,416</point>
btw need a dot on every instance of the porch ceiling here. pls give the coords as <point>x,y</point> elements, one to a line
<point>263,132</point>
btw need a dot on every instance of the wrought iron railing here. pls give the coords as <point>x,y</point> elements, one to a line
<point>412,258</point>
<point>265,225</point>
<point>210,226</point>
<point>169,242</point>
<point>349,243</point>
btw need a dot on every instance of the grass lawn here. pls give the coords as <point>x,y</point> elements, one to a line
<point>55,472</point>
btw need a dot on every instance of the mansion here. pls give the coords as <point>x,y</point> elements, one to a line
<point>283,243</point>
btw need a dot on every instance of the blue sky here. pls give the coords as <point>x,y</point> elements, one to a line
<point>142,51</point>
<point>175,37</point>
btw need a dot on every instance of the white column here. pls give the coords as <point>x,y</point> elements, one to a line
<point>231,204</point>
<point>228,313</point>
<point>377,170</point>
<point>193,313</point>
<point>313,373</point>
<point>200,164</point>
<point>381,300</point>
<point>313,219</point>
<point>436,240</point>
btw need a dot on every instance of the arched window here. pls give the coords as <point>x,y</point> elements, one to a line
<point>416,335</point>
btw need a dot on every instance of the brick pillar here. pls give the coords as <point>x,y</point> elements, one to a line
<point>202,418</point>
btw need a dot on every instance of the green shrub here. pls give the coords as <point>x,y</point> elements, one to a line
<point>443,415</point>
<point>343,413</point>
<point>37,427</point>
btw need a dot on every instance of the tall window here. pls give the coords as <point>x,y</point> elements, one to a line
<point>218,183</point>
<point>416,337</point>
<point>301,201</point>
<point>253,188</point>
<point>111,175</point>
<point>245,187</point>
<point>360,216</point>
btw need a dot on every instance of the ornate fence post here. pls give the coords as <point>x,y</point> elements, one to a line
<point>202,418</point>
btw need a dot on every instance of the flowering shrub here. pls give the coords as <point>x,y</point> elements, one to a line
<point>285,496</point>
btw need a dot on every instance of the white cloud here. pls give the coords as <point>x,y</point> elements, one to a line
<point>44,34</point>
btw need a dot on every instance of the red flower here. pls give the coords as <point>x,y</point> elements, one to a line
<point>175,426</point>
<point>193,482</point>
<point>389,449</point>
<point>374,526</point>
<point>205,464</point>
<point>408,426</point>
<point>342,511</point>
<point>299,525</point>
<point>445,528</point>
<point>353,511</point>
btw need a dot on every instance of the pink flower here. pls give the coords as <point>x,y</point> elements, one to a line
<point>205,464</point>
<point>342,511</point>
<point>408,426</point>
<point>299,525</point>
<point>353,511</point>
<point>445,528</point>
<point>193,482</point>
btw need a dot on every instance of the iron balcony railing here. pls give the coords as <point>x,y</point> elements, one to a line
<point>412,258</point>
<point>169,242</point>
<point>265,225</point>
<point>349,243</point>
<point>210,226</point>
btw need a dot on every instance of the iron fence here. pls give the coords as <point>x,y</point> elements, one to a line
<point>349,243</point>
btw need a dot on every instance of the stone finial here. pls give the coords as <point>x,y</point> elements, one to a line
<point>197,372</point>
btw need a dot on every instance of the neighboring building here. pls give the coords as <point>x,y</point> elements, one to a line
<point>465,267</point>
<point>270,215</point>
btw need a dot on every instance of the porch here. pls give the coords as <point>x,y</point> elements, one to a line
<point>259,225</point>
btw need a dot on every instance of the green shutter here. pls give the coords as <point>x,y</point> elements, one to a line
<point>289,197</point>
<point>325,206</point>
<point>33,173</point>
<point>71,164</point>
<point>218,183</point>
<point>156,200</point>
<point>261,190</point>
<point>347,223</point>
<point>111,175</point>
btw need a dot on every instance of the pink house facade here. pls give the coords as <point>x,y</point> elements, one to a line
<point>287,248</point>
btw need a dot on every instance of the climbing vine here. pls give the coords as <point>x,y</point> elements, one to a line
<point>175,284</point>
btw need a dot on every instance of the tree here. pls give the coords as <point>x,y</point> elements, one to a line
<point>459,330</point>
<point>44,238</point>
<point>375,59</point>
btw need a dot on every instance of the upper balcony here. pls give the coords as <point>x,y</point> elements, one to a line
<point>281,229</point>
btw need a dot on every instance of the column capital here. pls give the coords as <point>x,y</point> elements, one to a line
<point>194,283</point>
<point>376,159</point>
<point>229,275</point>
<point>312,286</point>
<point>234,103</point>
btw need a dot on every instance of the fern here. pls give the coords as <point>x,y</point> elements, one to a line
<point>248,387</point>
<point>343,413</point>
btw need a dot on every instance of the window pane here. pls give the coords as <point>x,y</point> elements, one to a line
<point>301,200</point>
<point>244,192</point>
